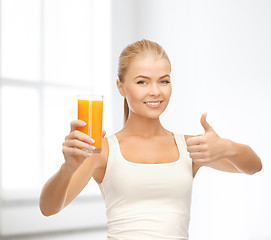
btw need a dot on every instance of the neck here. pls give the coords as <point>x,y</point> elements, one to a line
<point>146,127</point>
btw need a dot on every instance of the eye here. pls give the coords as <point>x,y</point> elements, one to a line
<point>165,81</point>
<point>141,82</point>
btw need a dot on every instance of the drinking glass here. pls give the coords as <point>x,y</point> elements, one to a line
<point>90,110</point>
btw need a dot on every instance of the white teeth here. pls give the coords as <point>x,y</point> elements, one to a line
<point>153,103</point>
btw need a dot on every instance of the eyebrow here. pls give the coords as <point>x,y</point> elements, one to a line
<point>142,76</point>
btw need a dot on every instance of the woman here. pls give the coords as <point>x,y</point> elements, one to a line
<point>145,172</point>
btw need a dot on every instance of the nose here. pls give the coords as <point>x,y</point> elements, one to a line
<point>154,90</point>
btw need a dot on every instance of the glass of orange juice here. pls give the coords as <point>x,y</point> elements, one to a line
<point>90,110</point>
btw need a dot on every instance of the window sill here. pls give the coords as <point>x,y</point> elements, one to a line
<point>23,216</point>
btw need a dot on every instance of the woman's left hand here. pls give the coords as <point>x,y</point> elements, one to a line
<point>206,148</point>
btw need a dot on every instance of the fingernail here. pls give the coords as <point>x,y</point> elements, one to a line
<point>92,140</point>
<point>83,123</point>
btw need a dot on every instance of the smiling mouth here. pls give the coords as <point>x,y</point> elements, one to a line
<point>153,104</point>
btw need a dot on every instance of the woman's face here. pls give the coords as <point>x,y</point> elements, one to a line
<point>147,86</point>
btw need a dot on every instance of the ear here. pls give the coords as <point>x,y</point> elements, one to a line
<point>120,87</point>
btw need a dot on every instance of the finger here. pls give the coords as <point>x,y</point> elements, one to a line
<point>201,161</point>
<point>196,148</point>
<point>197,155</point>
<point>104,132</point>
<point>195,140</point>
<point>77,123</point>
<point>76,152</point>
<point>80,136</point>
<point>74,143</point>
<point>198,161</point>
<point>204,123</point>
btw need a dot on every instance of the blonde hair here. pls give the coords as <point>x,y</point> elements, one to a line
<point>139,48</point>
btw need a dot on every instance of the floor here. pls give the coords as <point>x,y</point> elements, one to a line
<point>75,235</point>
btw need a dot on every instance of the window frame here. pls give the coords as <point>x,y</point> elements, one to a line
<point>15,207</point>
<point>40,85</point>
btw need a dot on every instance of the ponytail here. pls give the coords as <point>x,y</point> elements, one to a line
<point>126,111</point>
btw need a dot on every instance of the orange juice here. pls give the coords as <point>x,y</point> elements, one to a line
<point>91,112</point>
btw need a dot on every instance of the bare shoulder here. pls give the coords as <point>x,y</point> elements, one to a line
<point>104,153</point>
<point>102,162</point>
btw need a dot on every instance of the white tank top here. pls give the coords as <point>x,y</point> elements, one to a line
<point>147,201</point>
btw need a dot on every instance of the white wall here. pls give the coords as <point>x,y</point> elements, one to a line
<point>122,33</point>
<point>221,57</point>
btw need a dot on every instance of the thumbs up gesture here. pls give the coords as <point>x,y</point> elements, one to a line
<point>208,147</point>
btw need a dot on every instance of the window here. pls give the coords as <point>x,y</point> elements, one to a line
<point>48,48</point>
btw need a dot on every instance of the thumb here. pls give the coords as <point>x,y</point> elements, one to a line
<point>103,133</point>
<point>204,123</point>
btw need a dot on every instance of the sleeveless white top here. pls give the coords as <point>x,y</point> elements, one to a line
<point>147,201</point>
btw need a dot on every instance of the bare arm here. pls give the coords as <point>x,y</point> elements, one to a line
<point>65,185</point>
<point>223,154</point>
<point>242,157</point>
<point>237,158</point>
<point>56,193</point>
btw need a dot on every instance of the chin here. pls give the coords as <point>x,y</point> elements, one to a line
<point>154,116</point>
<point>149,114</point>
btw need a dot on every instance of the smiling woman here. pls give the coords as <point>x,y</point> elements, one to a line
<point>145,172</point>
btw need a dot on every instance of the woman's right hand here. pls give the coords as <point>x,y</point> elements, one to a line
<point>77,146</point>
